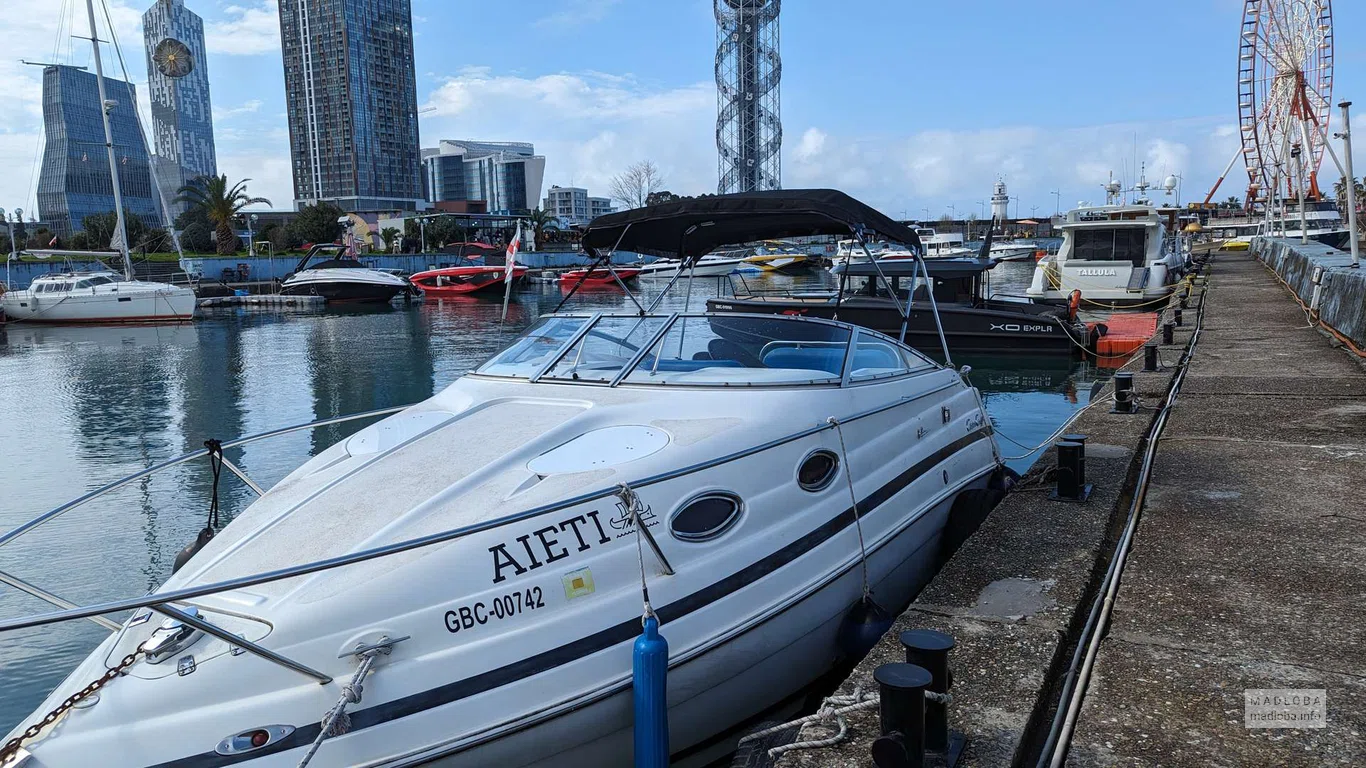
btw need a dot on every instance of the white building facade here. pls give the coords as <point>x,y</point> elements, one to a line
<point>574,207</point>
<point>505,175</point>
<point>182,117</point>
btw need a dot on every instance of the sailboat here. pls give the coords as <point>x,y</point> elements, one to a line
<point>99,296</point>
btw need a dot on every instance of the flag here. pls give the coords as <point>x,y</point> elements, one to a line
<point>52,242</point>
<point>511,260</point>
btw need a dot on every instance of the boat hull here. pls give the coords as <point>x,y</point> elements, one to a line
<point>967,329</point>
<point>597,277</point>
<point>704,268</point>
<point>459,281</point>
<point>340,292</point>
<point>168,304</point>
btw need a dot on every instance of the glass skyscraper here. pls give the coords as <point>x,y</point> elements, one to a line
<point>505,175</point>
<point>182,118</point>
<point>74,181</point>
<point>351,96</point>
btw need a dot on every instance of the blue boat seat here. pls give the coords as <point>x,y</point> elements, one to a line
<point>829,359</point>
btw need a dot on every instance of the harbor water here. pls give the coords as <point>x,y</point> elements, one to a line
<point>81,406</point>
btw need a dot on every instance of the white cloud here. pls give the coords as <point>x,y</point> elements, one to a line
<point>245,30</point>
<point>577,13</point>
<point>589,125</point>
<point>227,113</point>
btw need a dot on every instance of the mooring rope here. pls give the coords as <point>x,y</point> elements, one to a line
<point>632,502</point>
<point>832,707</point>
<point>853,500</point>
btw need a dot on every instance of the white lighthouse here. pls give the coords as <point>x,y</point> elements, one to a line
<point>1000,202</point>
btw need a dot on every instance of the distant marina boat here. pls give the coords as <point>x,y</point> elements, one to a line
<point>598,276</point>
<point>712,265</point>
<point>97,297</point>
<point>1116,256</point>
<point>455,281</point>
<point>328,272</point>
<point>1015,250</point>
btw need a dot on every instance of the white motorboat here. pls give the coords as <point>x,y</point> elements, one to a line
<point>1014,250</point>
<point>495,539</point>
<point>327,271</point>
<point>97,297</point>
<point>1116,256</point>
<point>711,265</point>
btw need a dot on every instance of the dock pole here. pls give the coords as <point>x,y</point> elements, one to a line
<point>1346,136</point>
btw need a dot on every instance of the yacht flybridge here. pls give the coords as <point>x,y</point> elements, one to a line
<point>478,559</point>
<point>1117,256</point>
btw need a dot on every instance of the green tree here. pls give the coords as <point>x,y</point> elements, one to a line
<point>41,238</point>
<point>317,223</point>
<point>390,236</point>
<point>78,242</point>
<point>1340,192</point>
<point>540,221</point>
<point>99,229</point>
<point>220,203</point>
<point>196,238</point>
<point>662,196</point>
<point>1232,203</point>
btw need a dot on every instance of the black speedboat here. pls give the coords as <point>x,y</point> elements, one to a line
<point>971,321</point>
<point>328,272</point>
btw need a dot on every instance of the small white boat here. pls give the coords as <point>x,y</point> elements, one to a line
<point>711,265</point>
<point>938,245</point>
<point>759,473</point>
<point>1117,256</point>
<point>1015,250</point>
<point>97,297</point>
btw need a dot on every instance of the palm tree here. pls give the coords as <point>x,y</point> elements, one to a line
<point>220,203</point>
<point>539,221</point>
<point>389,235</point>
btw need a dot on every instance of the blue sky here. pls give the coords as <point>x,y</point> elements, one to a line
<point>906,104</point>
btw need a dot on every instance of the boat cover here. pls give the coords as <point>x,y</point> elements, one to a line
<point>696,226</point>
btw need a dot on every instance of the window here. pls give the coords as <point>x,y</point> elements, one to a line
<point>876,358</point>
<point>744,351</point>
<point>1111,244</point>
<point>607,347</point>
<point>534,349</point>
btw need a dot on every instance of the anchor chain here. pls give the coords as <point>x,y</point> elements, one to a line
<point>12,748</point>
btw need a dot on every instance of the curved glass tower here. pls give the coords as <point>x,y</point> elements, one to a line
<point>749,127</point>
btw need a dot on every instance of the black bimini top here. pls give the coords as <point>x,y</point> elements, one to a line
<point>693,227</point>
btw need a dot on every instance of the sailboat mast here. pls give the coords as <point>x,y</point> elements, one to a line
<point>122,233</point>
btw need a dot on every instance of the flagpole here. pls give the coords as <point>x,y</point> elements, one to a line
<point>510,262</point>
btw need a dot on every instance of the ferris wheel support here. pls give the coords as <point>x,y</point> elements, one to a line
<point>1239,153</point>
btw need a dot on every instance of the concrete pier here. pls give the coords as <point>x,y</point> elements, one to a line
<point>1246,570</point>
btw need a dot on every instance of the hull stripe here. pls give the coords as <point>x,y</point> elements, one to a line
<point>606,638</point>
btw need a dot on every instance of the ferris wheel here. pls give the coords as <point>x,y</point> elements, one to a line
<point>1285,89</point>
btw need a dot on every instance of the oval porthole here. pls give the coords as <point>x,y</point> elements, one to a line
<point>818,471</point>
<point>706,516</point>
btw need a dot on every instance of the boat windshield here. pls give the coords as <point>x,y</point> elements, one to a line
<point>706,350</point>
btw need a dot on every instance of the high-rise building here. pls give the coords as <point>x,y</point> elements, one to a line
<point>351,96</point>
<point>574,207</point>
<point>74,181</point>
<point>504,176</point>
<point>178,85</point>
<point>749,124</point>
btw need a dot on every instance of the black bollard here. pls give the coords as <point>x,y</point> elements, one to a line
<point>1150,357</point>
<point>930,649</point>
<point>1167,331</point>
<point>902,715</point>
<point>1070,484</point>
<point>1081,455</point>
<point>1176,315</point>
<point>1124,393</point>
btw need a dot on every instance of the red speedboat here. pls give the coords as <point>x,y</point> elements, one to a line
<point>452,281</point>
<point>598,276</point>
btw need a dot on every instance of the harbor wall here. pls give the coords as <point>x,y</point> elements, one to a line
<point>1342,289</point>
<point>21,273</point>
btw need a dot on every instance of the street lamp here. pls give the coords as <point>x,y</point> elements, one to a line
<point>422,229</point>
<point>1057,202</point>
<point>251,235</point>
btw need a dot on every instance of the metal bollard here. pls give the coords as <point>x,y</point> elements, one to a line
<point>902,715</point>
<point>1081,456</point>
<point>930,649</point>
<point>1070,484</point>
<point>1149,357</point>
<point>1167,332</point>
<point>1176,315</point>
<point>1124,393</point>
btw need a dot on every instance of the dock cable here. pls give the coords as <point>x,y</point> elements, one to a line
<point>215,448</point>
<point>1031,450</point>
<point>853,500</point>
<point>1054,752</point>
<point>833,707</point>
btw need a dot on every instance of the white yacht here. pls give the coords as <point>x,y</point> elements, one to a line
<point>97,297</point>
<point>759,474</point>
<point>711,265</point>
<point>1114,255</point>
<point>937,245</point>
<point>1321,220</point>
<point>1014,250</point>
<point>330,272</point>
